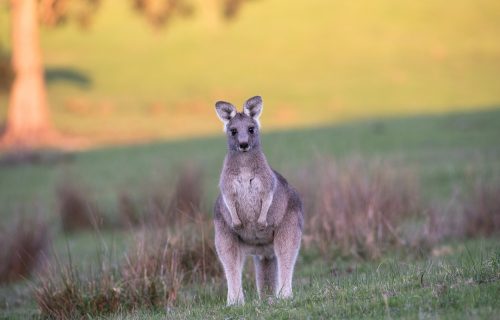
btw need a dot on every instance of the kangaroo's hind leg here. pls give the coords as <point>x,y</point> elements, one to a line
<point>266,275</point>
<point>232,259</point>
<point>286,247</point>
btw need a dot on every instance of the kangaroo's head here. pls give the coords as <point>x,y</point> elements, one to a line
<point>241,128</point>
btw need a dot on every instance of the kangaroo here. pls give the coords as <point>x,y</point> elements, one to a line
<point>257,212</point>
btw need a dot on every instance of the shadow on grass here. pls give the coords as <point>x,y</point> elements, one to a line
<point>67,74</point>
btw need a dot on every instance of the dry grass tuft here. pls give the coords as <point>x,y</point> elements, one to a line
<point>188,193</point>
<point>164,207</point>
<point>23,247</point>
<point>151,272</point>
<point>442,222</point>
<point>198,256</point>
<point>149,276</point>
<point>173,246</point>
<point>161,262</point>
<point>65,294</point>
<point>357,207</point>
<point>473,213</point>
<point>76,210</point>
<point>129,210</point>
<point>481,209</point>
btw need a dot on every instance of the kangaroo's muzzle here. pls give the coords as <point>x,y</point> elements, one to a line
<point>244,146</point>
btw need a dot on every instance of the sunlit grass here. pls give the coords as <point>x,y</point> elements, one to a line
<point>313,61</point>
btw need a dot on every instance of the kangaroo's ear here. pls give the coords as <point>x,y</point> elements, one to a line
<point>253,107</point>
<point>225,111</point>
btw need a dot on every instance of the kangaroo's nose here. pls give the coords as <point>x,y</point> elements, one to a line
<point>243,145</point>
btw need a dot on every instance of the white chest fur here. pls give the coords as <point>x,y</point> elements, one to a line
<point>248,188</point>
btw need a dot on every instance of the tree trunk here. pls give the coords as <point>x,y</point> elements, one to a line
<point>28,120</point>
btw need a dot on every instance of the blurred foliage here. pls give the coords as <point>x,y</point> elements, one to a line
<point>342,59</point>
<point>159,12</point>
<point>156,12</point>
<point>56,12</point>
<point>232,7</point>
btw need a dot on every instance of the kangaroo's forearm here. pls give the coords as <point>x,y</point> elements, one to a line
<point>266,204</point>
<point>232,210</point>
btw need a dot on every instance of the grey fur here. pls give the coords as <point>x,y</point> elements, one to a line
<point>257,212</point>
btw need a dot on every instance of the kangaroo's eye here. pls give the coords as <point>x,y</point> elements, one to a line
<point>251,130</point>
<point>234,132</point>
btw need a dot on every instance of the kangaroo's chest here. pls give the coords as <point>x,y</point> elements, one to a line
<point>248,189</point>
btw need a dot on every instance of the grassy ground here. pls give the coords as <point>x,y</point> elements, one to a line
<point>460,280</point>
<point>120,81</point>
<point>464,284</point>
<point>442,149</point>
<point>456,281</point>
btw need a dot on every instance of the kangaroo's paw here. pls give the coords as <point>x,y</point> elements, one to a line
<point>261,224</point>
<point>237,224</point>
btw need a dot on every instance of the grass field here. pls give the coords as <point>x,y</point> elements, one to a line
<point>312,61</point>
<point>460,286</point>
<point>455,279</point>
<point>410,84</point>
<point>443,149</point>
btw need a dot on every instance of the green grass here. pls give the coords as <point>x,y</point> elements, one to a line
<point>463,284</point>
<point>442,149</point>
<point>445,151</point>
<point>313,62</point>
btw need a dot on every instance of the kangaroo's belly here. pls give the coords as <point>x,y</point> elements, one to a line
<point>263,251</point>
<point>252,236</point>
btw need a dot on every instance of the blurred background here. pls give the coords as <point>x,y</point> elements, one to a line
<point>385,114</point>
<point>123,77</point>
